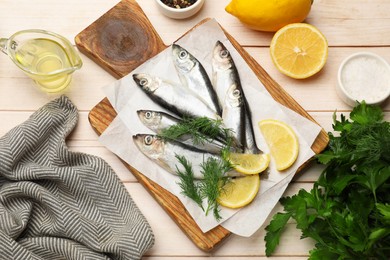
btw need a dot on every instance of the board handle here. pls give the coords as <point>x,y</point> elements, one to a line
<point>121,39</point>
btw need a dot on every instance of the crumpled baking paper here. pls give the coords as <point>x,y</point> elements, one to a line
<point>126,97</point>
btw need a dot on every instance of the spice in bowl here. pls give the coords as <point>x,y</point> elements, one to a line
<point>364,76</point>
<point>179,9</point>
<point>178,3</point>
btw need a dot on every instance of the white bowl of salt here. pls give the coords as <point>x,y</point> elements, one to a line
<point>364,76</point>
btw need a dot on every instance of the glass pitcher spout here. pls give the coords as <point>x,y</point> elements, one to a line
<point>3,43</point>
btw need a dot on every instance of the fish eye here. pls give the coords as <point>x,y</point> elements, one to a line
<point>236,93</point>
<point>143,82</point>
<point>183,54</point>
<point>148,115</point>
<point>224,53</point>
<point>148,140</point>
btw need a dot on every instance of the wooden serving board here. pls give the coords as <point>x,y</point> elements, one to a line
<point>120,41</point>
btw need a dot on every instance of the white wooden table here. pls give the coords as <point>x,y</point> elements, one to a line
<point>350,26</point>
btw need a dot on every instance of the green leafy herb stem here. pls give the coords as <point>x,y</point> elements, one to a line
<point>214,178</point>
<point>203,130</point>
<point>347,212</point>
<point>187,181</point>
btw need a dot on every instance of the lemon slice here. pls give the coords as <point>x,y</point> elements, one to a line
<point>249,163</point>
<point>239,192</point>
<point>299,50</point>
<point>282,142</point>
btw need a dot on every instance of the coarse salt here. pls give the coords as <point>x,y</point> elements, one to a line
<point>366,77</point>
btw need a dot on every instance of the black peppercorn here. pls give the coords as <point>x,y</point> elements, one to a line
<point>178,3</point>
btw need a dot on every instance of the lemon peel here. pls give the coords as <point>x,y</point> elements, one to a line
<point>269,15</point>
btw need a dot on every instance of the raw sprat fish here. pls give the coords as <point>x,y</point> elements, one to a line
<point>225,75</point>
<point>197,97</point>
<point>177,99</point>
<point>158,121</point>
<point>223,72</point>
<point>164,152</point>
<point>233,114</point>
<point>193,75</point>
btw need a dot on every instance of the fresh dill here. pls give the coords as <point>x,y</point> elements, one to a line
<point>214,178</point>
<point>187,181</point>
<point>202,130</point>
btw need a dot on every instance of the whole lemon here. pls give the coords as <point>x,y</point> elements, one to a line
<point>269,15</point>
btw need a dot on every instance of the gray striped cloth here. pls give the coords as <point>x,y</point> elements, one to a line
<point>57,204</point>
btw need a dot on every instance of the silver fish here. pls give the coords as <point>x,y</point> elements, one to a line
<point>225,74</point>
<point>250,142</point>
<point>164,153</point>
<point>177,99</point>
<point>157,121</point>
<point>223,71</point>
<point>233,114</point>
<point>193,75</point>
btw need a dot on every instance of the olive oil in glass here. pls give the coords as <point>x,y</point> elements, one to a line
<point>47,58</point>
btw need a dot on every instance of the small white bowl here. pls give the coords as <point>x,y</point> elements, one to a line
<point>180,13</point>
<point>363,76</point>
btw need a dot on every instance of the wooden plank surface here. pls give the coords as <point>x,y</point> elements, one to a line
<point>92,42</point>
<point>349,26</point>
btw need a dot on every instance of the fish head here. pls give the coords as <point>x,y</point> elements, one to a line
<point>234,96</point>
<point>150,118</point>
<point>150,145</point>
<point>182,59</point>
<point>222,59</point>
<point>146,82</point>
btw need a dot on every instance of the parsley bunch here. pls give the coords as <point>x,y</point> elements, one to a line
<point>347,212</point>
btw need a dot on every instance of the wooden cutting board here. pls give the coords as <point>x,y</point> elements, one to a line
<point>120,41</point>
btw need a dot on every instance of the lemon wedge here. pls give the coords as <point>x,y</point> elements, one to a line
<point>239,192</point>
<point>299,50</point>
<point>282,142</point>
<point>249,163</point>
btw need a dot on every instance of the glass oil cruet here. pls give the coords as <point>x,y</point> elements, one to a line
<point>46,57</point>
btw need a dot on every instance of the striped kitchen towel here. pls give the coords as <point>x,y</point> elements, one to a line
<point>58,204</point>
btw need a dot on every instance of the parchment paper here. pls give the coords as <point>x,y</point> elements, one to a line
<point>127,98</point>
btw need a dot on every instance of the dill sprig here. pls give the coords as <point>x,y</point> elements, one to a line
<point>187,181</point>
<point>214,171</point>
<point>201,130</point>
<point>210,187</point>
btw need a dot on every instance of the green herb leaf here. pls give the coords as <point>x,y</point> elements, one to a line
<point>275,229</point>
<point>347,211</point>
<point>379,233</point>
<point>213,171</point>
<point>384,214</point>
<point>202,130</point>
<point>326,157</point>
<point>187,181</point>
<point>364,114</point>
